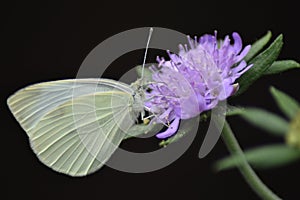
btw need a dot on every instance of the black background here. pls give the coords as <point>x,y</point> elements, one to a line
<point>45,41</point>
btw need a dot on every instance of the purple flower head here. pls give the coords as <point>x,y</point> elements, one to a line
<point>195,79</point>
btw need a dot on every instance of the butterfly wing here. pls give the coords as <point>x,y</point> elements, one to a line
<point>78,135</point>
<point>30,104</point>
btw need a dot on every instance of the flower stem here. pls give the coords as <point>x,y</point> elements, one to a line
<point>250,176</point>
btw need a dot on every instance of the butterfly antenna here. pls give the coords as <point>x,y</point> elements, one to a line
<point>146,51</point>
<point>144,61</point>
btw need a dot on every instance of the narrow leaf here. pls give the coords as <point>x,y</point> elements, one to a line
<point>281,66</point>
<point>233,110</point>
<point>258,46</point>
<point>260,64</point>
<point>287,104</point>
<point>266,121</point>
<point>264,157</point>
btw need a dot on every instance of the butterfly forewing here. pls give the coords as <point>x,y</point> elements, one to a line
<point>31,103</point>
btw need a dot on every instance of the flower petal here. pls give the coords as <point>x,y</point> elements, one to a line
<point>237,42</point>
<point>172,129</point>
<point>243,53</point>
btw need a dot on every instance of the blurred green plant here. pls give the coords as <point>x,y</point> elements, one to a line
<point>273,155</point>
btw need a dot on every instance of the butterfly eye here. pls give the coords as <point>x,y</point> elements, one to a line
<point>148,90</point>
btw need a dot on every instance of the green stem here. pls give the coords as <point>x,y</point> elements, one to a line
<point>250,176</point>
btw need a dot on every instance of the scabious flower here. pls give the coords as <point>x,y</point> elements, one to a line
<point>195,79</point>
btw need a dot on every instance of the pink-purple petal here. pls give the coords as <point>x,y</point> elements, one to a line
<point>237,42</point>
<point>171,130</point>
<point>243,53</point>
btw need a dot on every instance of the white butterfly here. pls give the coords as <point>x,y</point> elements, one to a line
<point>74,126</point>
<point>76,132</point>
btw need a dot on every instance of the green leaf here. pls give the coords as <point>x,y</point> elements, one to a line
<point>233,110</point>
<point>257,46</point>
<point>140,129</point>
<point>281,66</point>
<point>287,104</point>
<point>265,120</point>
<point>265,157</point>
<point>260,64</point>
